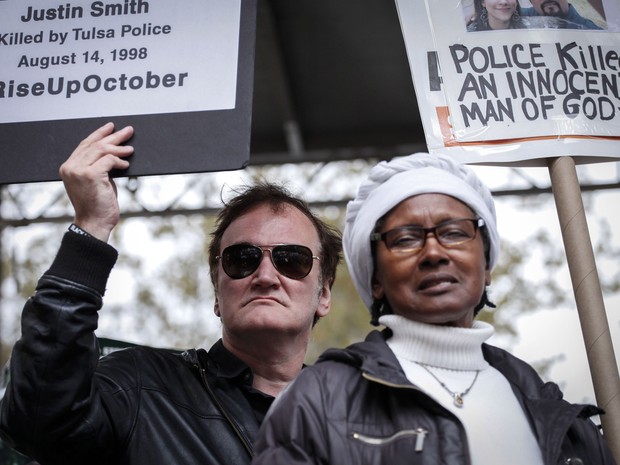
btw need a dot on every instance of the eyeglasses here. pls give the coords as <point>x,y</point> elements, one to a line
<point>451,233</point>
<point>292,261</point>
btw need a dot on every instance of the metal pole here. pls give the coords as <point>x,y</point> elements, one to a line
<point>588,296</point>
<point>1,280</point>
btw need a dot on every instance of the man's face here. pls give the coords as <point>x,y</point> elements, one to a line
<point>267,302</point>
<point>551,7</point>
<point>436,284</point>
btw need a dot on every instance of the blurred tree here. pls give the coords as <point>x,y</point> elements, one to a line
<point>160,293</point>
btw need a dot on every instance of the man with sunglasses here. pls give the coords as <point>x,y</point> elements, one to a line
<point>272,262</point>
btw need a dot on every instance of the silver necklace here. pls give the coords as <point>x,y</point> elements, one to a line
<point>457,397</point>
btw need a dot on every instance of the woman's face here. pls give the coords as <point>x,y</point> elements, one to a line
<point>435,285</point>
<point>500,12</point>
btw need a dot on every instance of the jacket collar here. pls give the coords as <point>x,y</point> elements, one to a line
<point>223,364</point>
<point>373,356</point>
<point>220,363</point>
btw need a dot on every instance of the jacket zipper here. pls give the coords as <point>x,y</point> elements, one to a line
<point>372,378</point>
<point>224,412</point>
<point>419,433</point>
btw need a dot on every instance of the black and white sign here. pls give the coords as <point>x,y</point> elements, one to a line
<point>538,86</point>
<point>180,72</point>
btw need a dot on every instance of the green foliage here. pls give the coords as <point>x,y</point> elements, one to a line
<point>173,302</point>
<point>347,322</point>
<point>160,292</point>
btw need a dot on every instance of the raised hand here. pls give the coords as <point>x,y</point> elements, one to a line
<point>86,176</point>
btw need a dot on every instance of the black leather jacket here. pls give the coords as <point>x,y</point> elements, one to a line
<point>135,406</point>
<point>355,406</point>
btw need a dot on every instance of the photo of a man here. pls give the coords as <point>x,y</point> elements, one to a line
<point>559,9</point>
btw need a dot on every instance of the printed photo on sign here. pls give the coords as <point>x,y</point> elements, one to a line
<point>489,15</point>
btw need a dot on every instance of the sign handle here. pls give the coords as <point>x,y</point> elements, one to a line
<point>588,296</point>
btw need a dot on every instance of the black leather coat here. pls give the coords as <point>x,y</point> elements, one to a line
<point>355,406</point>
<point>136,406</point>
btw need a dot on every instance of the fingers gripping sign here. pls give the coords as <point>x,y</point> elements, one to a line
<point>86,176</point>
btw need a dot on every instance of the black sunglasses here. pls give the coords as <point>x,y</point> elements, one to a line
<point>292,261</point>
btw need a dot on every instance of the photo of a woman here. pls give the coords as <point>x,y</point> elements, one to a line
<point>496,14</point>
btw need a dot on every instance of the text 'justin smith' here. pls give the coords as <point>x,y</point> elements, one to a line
<point>97,9</point>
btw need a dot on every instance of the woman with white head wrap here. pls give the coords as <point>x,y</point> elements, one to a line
<point>388,184</point>
<point>420,241</point>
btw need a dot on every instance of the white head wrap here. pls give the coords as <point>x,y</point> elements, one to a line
<point>388,184</point>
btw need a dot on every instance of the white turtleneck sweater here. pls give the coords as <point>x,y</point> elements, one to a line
<point>497,428</point>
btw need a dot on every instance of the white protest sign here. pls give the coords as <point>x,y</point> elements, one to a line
<point>180,72</point>
<point>517,94</point>
<point>85,58</point>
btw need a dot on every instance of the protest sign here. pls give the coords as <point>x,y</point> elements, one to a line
<point>541,87</point>
<point>515,85</point>
<point>180,73</point>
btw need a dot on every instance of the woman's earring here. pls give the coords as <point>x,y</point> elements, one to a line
<point>484,17</point>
